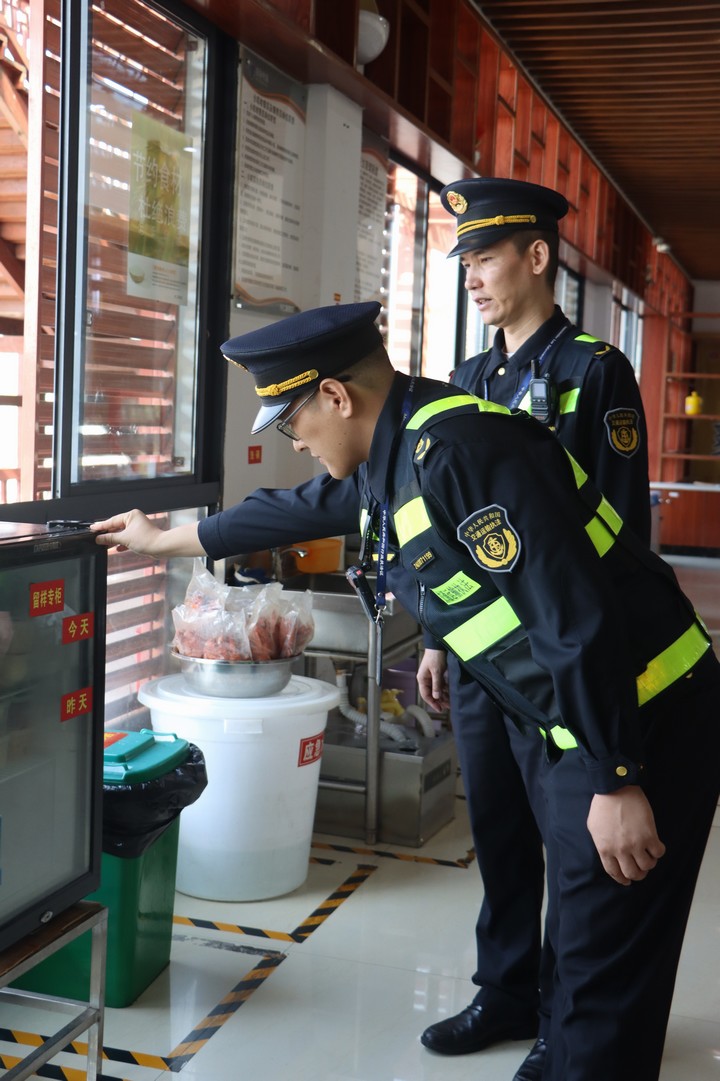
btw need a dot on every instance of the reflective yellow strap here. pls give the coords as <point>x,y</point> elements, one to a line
<point>561,737</point>
<point>483,630</point>
<point>607,519</point>
<point>569,400</point>
<point>672,663</point>
<point>363,520</point>
<point>580,474</point>
<point>601,538</point>
<point>609,515</point>
<point>661,673</point>
<point>444,405</point>
<point>586,338</point>
<point>411,519</point>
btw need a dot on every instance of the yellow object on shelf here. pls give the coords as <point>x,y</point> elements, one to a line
<point>693,402</point>
<point>321,556</point>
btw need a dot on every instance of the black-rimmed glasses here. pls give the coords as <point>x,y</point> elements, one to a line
<point>284,425</point>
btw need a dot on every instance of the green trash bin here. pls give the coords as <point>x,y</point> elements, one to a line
<point>148,777</point>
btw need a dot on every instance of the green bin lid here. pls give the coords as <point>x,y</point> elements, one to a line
<point>134,757</point>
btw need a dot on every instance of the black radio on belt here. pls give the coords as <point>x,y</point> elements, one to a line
<point>543,396</point>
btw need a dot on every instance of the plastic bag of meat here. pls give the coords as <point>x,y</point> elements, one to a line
<point>296,626</point>
<point>241,623</point>
<point>204,592</point>
<point>262,623</point>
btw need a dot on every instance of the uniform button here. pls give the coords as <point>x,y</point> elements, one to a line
<point>501,371</point>
<point>621,771</point>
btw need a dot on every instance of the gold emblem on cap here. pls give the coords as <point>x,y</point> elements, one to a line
<point>274,389</point>
<point>457,202</point>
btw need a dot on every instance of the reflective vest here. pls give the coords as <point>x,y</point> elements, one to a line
<point>567,368</point>
<point>465,609</point>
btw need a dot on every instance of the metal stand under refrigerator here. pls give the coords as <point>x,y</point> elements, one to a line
<point>52,665</point>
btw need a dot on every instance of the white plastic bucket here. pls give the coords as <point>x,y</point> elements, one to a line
<point>248,835</point>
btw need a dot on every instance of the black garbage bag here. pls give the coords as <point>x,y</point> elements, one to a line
<point>135,815</point>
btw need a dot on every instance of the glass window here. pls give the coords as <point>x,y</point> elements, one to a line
<point>120,160</point>
<point>141,595</point>
<point>478,336</point>
<point>423,284</point>
<point>440,310</point>
<point>135,385</point>
<point>627,325</point>
<point>568,294</point>
<point>407,224</point>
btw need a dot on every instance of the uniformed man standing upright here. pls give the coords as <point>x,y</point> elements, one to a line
<point>584,391</point>
<point>530,578</point>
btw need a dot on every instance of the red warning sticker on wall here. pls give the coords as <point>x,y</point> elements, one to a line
<point>47,597</point>
<point>77,628</point>
<point>311,749</point>
<point>76,703</point>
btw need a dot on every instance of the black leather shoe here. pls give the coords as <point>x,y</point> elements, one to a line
<point>533,1066</point>
<point>487,1020</point>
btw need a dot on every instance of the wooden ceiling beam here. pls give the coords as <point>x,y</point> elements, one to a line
<point>511,9</point>
<point>610,38</point>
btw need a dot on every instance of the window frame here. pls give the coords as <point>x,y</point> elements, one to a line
<point>91,500</point>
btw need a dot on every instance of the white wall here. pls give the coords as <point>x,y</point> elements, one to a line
<point>333,143</point>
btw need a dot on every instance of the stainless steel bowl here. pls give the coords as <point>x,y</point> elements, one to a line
<point>235,679</point>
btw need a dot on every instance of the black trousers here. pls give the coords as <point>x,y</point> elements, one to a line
<point>618,947</point>
<point>502,777</point>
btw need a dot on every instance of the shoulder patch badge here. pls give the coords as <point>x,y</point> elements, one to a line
<point>422,447</point>
<point>491,539</point>
<point>623,430</point>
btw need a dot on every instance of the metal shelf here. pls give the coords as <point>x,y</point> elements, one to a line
<point>29,952</point>
<point>371,788</point>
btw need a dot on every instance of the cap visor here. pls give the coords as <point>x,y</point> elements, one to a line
<point>266,415</point>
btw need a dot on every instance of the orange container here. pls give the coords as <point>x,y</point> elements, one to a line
<point>323,556</point>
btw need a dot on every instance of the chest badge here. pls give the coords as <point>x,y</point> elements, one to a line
<point>491,539</point>
<point>623,430</point>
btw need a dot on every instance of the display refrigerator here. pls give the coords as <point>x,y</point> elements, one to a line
<point>53,582</point>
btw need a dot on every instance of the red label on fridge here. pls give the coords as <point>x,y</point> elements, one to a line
<point>47,597</point>
<point>311,749</point>
<point>77,628</point>
<point>76,703</point>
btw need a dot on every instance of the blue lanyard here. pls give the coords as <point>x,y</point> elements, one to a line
<point>383,545</point>
<point>522,389</point>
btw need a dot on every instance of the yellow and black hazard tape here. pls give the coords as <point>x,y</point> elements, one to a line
<point>59,1072</point>
<point>195,1040</point>
<point>232,1002</point>
<point>236,929</point>
<point>406,857</point>
<point>306,927</point>
<point>77,1047</point>
<point>335,899</point>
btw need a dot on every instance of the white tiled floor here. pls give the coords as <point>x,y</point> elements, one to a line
<point>349,1001</point>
